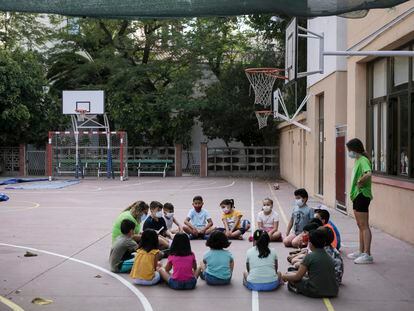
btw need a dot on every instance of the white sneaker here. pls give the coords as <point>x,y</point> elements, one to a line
<point>364,259</point>
<point>354,255</point>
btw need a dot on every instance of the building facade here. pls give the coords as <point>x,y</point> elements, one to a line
<point>365,97</point>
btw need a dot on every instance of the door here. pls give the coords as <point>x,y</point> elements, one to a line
<point>340,179</point>
<point>321,140</point>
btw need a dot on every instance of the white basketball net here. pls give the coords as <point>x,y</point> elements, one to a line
<point>262,83</point>
<point>262,117</point>
<point>81,115</point>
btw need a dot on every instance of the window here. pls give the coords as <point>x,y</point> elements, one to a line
<point>391,115</point>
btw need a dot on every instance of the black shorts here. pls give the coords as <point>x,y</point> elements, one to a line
<point>361,203</point>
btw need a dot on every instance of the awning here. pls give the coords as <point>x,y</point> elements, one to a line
<point>135,9</point>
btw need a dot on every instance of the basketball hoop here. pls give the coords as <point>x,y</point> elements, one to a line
<point>262,81</point>
<point>81,114</point>
<point>262,116</point>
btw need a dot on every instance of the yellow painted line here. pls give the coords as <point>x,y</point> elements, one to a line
<point>10,304</point>
<point>20,209</point>
<point>326,301</point>
<point>328,304</point>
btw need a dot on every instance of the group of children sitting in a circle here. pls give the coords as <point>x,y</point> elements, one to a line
<point>316,270</point>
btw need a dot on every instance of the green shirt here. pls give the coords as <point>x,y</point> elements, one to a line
<point>261,270</point>
<point>116,230</point>
<point>321,272</point>
<point>362,166</point>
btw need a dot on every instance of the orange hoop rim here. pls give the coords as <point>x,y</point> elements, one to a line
<point>264,111</point>
<point>81,111</point>
<point>274,72</point>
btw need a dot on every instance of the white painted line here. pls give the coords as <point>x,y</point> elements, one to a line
<point>10,304</point>
<point>144,301</point>
<point>255,301</point>
<point>255,294</point>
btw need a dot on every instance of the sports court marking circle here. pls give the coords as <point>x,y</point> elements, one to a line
<point>16,208</point>
<point>144,301</point>
<point>10,304</point>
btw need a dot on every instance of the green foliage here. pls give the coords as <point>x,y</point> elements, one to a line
<point>26,111</point>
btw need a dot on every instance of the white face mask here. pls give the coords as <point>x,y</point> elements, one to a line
<point>225,210</point>
<point>143,217</point>
<point>267,208</point>
<point>168,215</point>
<point>158,214</point>
<point>299,202</point>
<point>352,154</point>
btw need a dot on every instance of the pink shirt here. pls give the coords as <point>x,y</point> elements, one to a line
<point>182,267</point>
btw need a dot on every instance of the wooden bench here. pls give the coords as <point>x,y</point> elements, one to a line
<point>152,166</point>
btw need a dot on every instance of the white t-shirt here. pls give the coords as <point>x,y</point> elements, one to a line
<point>267,220</point>
<point>169,222</point>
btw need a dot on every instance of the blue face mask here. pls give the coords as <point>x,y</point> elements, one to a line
<point>143,217</point>
<point>352,154</point>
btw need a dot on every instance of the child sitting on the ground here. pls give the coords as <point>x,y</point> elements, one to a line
<point>156,222</point>
<point>169,218</point>
<point>261,265</point>
<point>324,216</point>
<point>146,260</point>
<point>198,223</point>
<point>296,259</point>
<point>334,253</point>
<point>268,220</point>
<point>217,265</point>
<point>301,216</point>
<point>183,263</point>
<point>234,227</point>
<point>121,258</point>
<point>321,280</point>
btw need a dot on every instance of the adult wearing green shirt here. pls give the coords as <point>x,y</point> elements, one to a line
<point>361,197</point>
<point>136,212</point>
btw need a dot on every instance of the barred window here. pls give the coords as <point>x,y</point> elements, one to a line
<point>391,115</point>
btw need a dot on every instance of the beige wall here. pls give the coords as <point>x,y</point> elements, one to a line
<point>299,149</point>
<point>345,94</point>
<point>392,206</point>
<point>392,210</point>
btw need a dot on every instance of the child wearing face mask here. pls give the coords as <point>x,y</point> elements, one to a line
<point>156,222</point>
<point>169,218</point>
<point>301,216</point>
<point>234,227</point>
<point>268,220</point>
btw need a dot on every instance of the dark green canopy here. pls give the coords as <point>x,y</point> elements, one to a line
<point>134,9</point>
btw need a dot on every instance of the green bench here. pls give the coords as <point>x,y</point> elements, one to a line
<point>152,166</point>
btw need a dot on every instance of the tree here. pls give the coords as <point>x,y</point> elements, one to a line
<point>26,111</point>
<point>144,67</point>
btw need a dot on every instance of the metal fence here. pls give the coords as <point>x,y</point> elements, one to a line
<point>9,161</point>
<point>191,162</point>
<point>151,152</point>
<point>36,162</point>
<point>244,161</point>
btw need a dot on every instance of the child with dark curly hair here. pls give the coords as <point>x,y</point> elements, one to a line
<point>217,265</point>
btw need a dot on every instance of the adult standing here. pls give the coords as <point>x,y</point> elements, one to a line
<point>136,212</point>
<point>361,196</point>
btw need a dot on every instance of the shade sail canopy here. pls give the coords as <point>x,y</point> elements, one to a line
<point>135,9</point>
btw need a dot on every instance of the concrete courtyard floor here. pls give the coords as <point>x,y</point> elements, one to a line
<point>69,229</point>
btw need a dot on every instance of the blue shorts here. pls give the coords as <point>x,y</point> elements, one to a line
<point>126,266</point>
<point>262,287</point>
<point>175,284</point>
<point>212,280</point>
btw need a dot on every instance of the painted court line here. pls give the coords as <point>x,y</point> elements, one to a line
<point>326,301</point>
<point>10,304</point>
<point>255,294</point>
<point>144,301</point>
<point>11,208</point>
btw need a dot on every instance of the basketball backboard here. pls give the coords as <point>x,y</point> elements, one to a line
<point>291,42</point>
<point>91,101</point>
